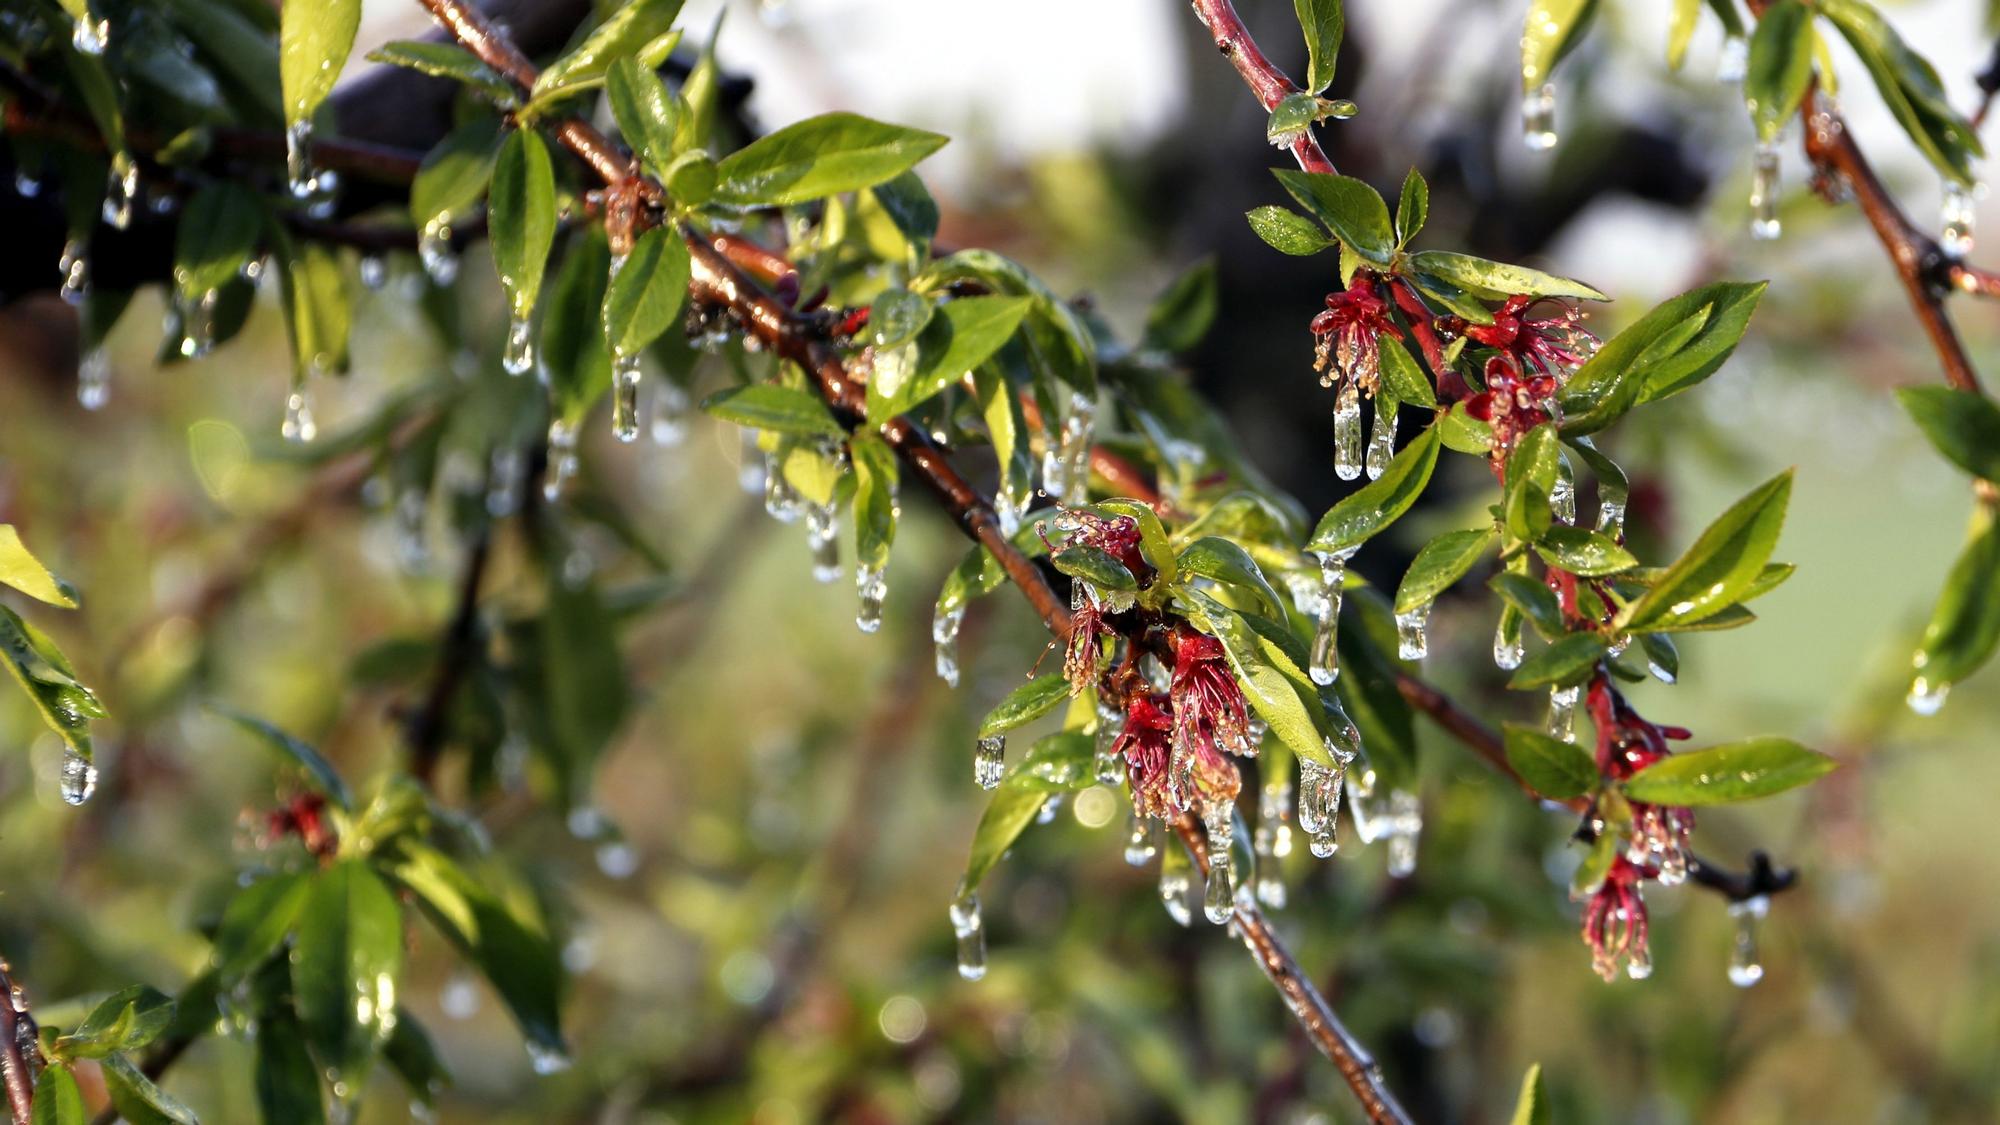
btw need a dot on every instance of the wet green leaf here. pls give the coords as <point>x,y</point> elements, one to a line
<point>1057,763</point>
<point>1443,561</point>
<point>1534,599</point>
<point>644,299</point>
<point>1532,1107</point>
<point>1287,231</point>
<point>963,334</point>
<point>1268,663</point>
<point>286,1081</point>
<point>447,60</point>
<point>1703,326</point>
<point>1591,554</point>
<point>1323,22</point>
<point>1720,775</point>
<point>218,233</point>
<point>1095,566</point>
<point>126,1020</point>
<point>1352,210</point>
<point>57,1099</point>
<point>1556,769</point>
<point>1963,425</point>
<point>256,922</point>
<point>314,39</point>
<point>1365,513</point>
<point>1497,280</point>
<point>875,473</point>
<point>453,176</point>
<point>20,569</point>
<point>137,1100</point>
<point>43,672</point>
<point>348,955</point>
<point>1964,628</point>
<point>324,777</point>
<point>1413,207</point>
<point>647,112</point>
<point>521,217</point>
<point>1725,561</point>
<point>1214,557</point>
<point>768,406</point>
<point>1025,704</point>
<point>1403,379</point>
<point>628,28</point>
<point>1181,315</point>
<point>1780,68</point>
<point>818,157</point>
<point>1565,662</point>
<point>1553,29</point>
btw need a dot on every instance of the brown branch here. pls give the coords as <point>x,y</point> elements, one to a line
<point>1264,79</point>
<point>20,1047</point>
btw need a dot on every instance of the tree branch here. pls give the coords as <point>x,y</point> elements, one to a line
<point>20,1049</point>
<point>1264,79</point>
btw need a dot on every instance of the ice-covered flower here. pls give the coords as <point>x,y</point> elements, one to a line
<point>1349,332</point>
<point>1614,923</point>
<point>1553,345</point>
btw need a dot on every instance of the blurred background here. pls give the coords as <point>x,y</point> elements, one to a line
<point>754,896</point>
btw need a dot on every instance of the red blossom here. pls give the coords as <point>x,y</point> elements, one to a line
<point>303,816</point>
<point>1084,656</point>
<point>1145,746</point>
<point>1614,922</point>
<point>1117,536</point>
<point>1349,330</point>
<point>1511,403</point>
<point>1553,345</point>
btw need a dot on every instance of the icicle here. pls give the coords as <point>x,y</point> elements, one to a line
<point>944,631</point>
<point>374,271</point>
<point>1110,724</point>
<point>1369,821</point>
<point>299,425</point>
<point>989,760</point>
<point>1218,900</point>
<point>1272,841</point>
<point>1347,432</point>
<point>1764,222</point>
<point>873,587</point>
<point>1324,665</point>
<point>1562,712</point>
<point>93,379</point>
<point>1562,494</point>
<point>1381,439</point>
<point>88,35</point>
<point>75,267</point>
<point>823,536</point>
<point>79,777</point>
<point>1639,963</point>
<point>1538,118</point>
<point>1009,510</point>
<point>120,189</point>
<point>300,178</point>
<point>1926,695</point>
<point>1177,884</point>
<point>1610,510</point>
<point>670,413</point>
<point>625,397</point>
<point>1956,218</point>
<point>1744,967</point>
<point>781,500</point>
<point>971,931</point>
<point>1507,648</point>
<point>1139,846</point>
<point>1412,632</point>
<point>1735,60</point>
<point>197,324</point>
<point>1319,801</point>
<point>1078,425</point>
<point>1406,823</point>
<point>562,459</point>
<point>435,251</point>
<point>520,353</point>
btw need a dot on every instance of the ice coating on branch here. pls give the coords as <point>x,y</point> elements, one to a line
<point>1272,841</point>
<point>1538,118</point>
<point>1078,425</point>
<point>781,500</point>
<point>989,761</point>
<point>1110,724</point>
<point>1405,825</point>
<point>1926,695</point>
<point>1177,886</point>
<point>197,318</point>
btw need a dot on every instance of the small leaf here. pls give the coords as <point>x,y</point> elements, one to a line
<point>1214,557</point>
<point>349,952</point>
<point>963,334</point>
<point>1534,599</point>
<point>319,310</point>
<point>1964,628</point>
<point>1349,208</point>
<point>255,924</point>
<point>325,778</point>
<point>57,1099</point>
<point>1725,561</point>
<point>1323,22</point>
<point>1563,663</point>
<point>768,406</point>
<point>644,298</point>
<point>629,27</point>
<point>909,205</point>
<point>314,39</point>
<point>1443,561</point>
<point>1025,704</point>
<point>1403,379</point>
<point>1553,29</point>
<point>1720,775</point>
<point>20,569</point>
<point>521,217</point>
<point>1591,554</point>
<point>1633,367</point>
<point>414,1058</point>
<point>818,157</point>
<point>124,1021</point>
<point>1056,763</point>
<point>1556,769</point>
<point>1291,117</point>
<point>137,1100</point>
<point>286,1080</point>
<point>1780,66</point>
<point>875,474</point>
<point>1963,425</point>
<point>1267,661</point>
<point>646,111</point>
<point>1287,231</point>
<point>1181,315</point>
<point>447,60</point>
<point>1412,208</point>
<point>1532,1108</point>
<point>218,233</point>
<point>1153,543</point>
<point>67,706</point>
<point>455,172</point>
<point>1497,280</point>
<point>896,316</point>
<point>1365,513</point>
<point>1096,567</point>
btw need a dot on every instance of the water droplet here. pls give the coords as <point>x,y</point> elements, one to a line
<point>1639,963</point>
<point>873,586</point>
<point>1538,118</point>
<point>1078,426</point>
<point>625,397</point>
<point>435,251</point>
<point>1610,512</point>
<point>1405,825</point>
<point>26,185</point>
<point>1347,432</point>
<point>1956,218</point>
<point>1412,632</point>
<point>120,189</point>
<point>93,379</point>
<point>1381,440</point>
<point>519,355</point>
<point>1177,885</point>
<point>1735,60</point>
<point>75,267</point>
<point>1926,696</point>
<point>1139,846</point>
<point>1562,712</point>
<point>1110,724</point>
<point>299,426</point>
<point>971,932</point>
<point>1507,647</point>
<point>617,859</point>
<point>670,413</point>
<point>1319,804</point>
<point>1764,222</point>
<point>299,178</point>
<point>944,630</point>
<point>1218,901</point>
<point>78,778</point>
<point>1324,664</point>
<point>781,500</point>
<point>459,998</point>
<point>198,324</point>
<point>89,36</point>
<point>823,536</point>
<point>1745,969</point>
<point>547,1060</point>
<point>374,271</point>
<point>562,459</point>
<point>989,760</point>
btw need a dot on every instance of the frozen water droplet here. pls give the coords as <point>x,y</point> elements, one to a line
<point>299,426</point>
<point>198,324</point>
<point>1956,218</point>
<point>1405,825</point>
<point>93,379</point>
<point>670,413</point>
<point>781,500</point>
<point>1926,695</point>
<point>374,271</point>
<point>989,760</point>
<point>1381,440</point>
<point>89,36</point>
<point>26,185</point>
<point>970,929</point>
<point>1413,632</point>
<point>1734,62</point>
<point>1139,846</point>
<point>547,1060</point>
<point>1008,509</point>
<point>1078,426</point>
<point>1347,432</point>
<point>75,267</point>
<point>413,551</point>
<point>1764,222</point>
<point>1745,969</point>
<point>1319,805</point>
<point>1538,118</point>
<point>1110,725</point>
<point>435,251</point>
<point>873,587</point>
<point>1562,494</point>
<point>1507,648</point>
<point>1176,888</point>
<point>299,178</point>
<point>944,630</point>
<point>1611,513</point>
<point>120,189</point>
<point>519,355</point>
<point>625,397</point>
<point>562,459</point>
<point>1660,672</point>
<point>1639,963</point>
<point>823,536</point>
<point>1562,712</point>
<point>1218,901</point>
<point>78,778</point>
<point>1324,664</point>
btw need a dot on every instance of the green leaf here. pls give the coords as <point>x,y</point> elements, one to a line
<point>1443,561</point>
<point>1553,29</point>
<point>1181,315</point>
<point>1267,661</point>
<point>629,27</point>
<point>1287,231</point>
<point>1534,599</point>
<point>1780,68</point>
<point>325,778</point>
<point>1909,87</point>
<point>1323,22</point>
<point>896,316</point>
<point>318,307</point>
<point>1725,561</point>
<point>1057,763</point>
<point>1565,662</point>
<point>1366,512</point>
<point>1556,769</point>
<point>1352,210</point>
<point>1402,378</point>
<point>1532,1108</point>
<point>57,1099</point>
<point>1059,344</point>
<point>414,1058</point>
<point>20,569</point>
<point>572,349</point>
<point>256,922</point>
<point>287,1082</point>
<point>1964,628</point>
<point>521,218</point>
<point>1412,208</point>
<point>1591,554</point>
<point>43,672</point>
<point>1153,542</point>
<point>1963,425</point>
<point>1635,367</point>
<point>453,177</point>
<point>644,298</point>
<point>1720,775</point>
<point>218,233</point>
<point>1214,557</point>
<point>1096,567</point>
<point>1462,432</point>
<point>137,1100</point>
<point>818,157</point>
<point>646,111</point>
<point>348,954</point>
<point>963,334</point>
<point>1590,874</point>
<point>447,60</point>
<point>909,205</point>
<point>314,40</point>
<point>1686,15</point>
<point>875,473</point>
<point>768,406</point>
<point>1497,280</point>
<point>1530,477</point>
<point>126,1020</point>
<point>1025,704</point>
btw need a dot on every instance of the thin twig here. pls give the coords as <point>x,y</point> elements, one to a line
<point>20,1047</point>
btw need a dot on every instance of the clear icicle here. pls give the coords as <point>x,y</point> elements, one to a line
<point>1177,884</point>
<point>1324,665</point>
<point>1764,222</point>
<point>873,587</point>
<point>93,378</point>
<point>1735,60</point>
<point>299,178</point>
<point>625,397</point>
<point>1369,820</point>
<point>1926,695</point>
<point>781,500</point>
<point>374,271</point>
<point>989,760</point>
<point>519,355</point>
<point>1507,648</point>
<point>1319,804</point>
<point>1139,846</point>
<point>1413,632</point>
<point>823,536</point>
<point>1406,823</point>
<point>120,189</point>
<point>1272,841</point>
<point>198,324</point>
<point>90,34</point>
<point>435,251</point>
<point>970,929</point>
<point>1009,510</point>
<point>1218,900</point>
<point>670,413</point>
<point>299,425</point>
<point>1956,218</point>
<point>1562,712</point>
<point>75,267</point>
<point>1078,426</point>
<point>1562,494</point>
<point>1610,510</point>
<point>562,459</point>
<point>79,777</point>
<point>944,631</point>
<point>1745,968</point>
<point>1538,118</point>
<point>1110,725</point>
<point>1347,432</point>
<point>1381,440</point>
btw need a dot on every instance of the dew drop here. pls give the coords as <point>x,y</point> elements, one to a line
<point>1538,118</point>
<point>670,413</point>
<point>1745,968</point>
<point>93,379</point>
<point>562,459</point>
<point>873,586</point>
<point>970,929</point>
<point>1413,632</point>
<point>1347,432</point>
<point>435,251</point>
<point>823,536</point>
<point>1381,440</point>
<point>1562,712</point>
<point>1956,217</point>
<point>1139,846</point>
<point>75,267</point>
<point>299,426</point>
<point>989,760</point>
<point>944,631</point>
<point>1324,662</point>
<point>1660,672</point>
<point>625,397</point>
<point>519,355</point>
<point>78,777</point>
<point>1764,222</point>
